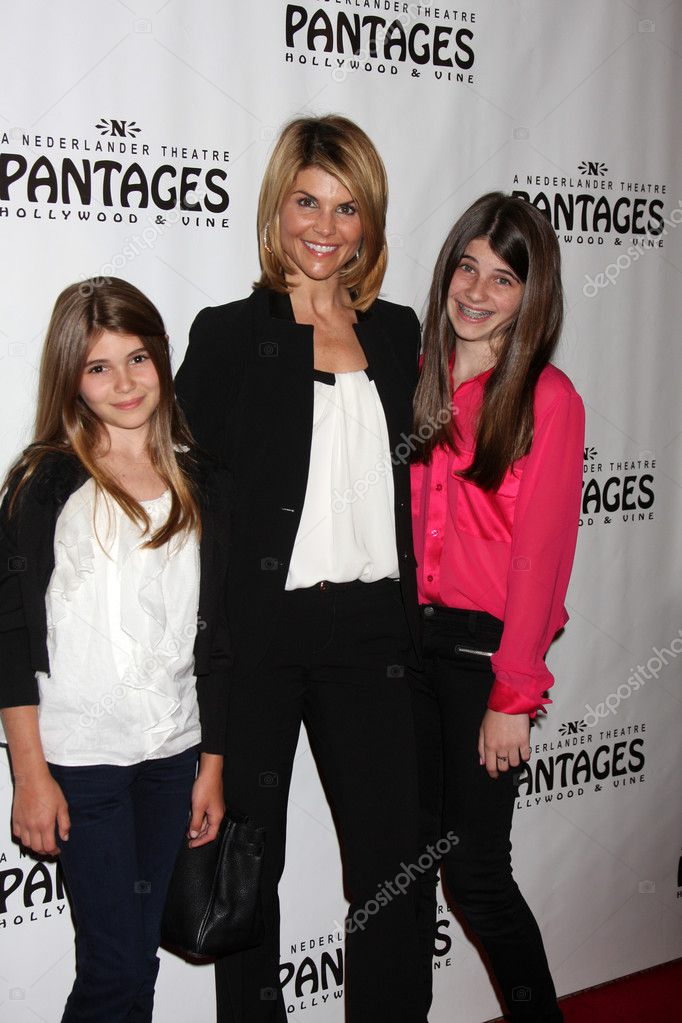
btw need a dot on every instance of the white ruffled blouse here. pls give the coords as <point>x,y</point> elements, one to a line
<point>347,527</point>
<point>122,620</point>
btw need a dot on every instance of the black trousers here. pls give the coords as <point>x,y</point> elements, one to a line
<point>336,664</point>
<point>458,796</point>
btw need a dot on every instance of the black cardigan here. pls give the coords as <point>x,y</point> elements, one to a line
<point>246,386</point>
<point>27,561</point>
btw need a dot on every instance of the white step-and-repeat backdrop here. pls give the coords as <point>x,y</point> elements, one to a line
<point>132,141</point>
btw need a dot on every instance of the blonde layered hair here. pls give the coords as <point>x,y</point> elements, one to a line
<point>342,149</point>
<point>65,423</point>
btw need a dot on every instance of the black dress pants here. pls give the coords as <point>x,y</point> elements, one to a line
<point>337,664</point>
<point>458,796</point>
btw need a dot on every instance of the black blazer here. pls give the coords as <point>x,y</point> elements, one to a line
<point>246,386</point>
<point>27,561</point>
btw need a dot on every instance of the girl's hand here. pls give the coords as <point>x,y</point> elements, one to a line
<point>208,805</point>
<point>503,741</point>
<point>38,804</point>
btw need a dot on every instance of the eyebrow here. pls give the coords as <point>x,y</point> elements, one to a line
<point>302,191</point>
<point>99,362</point>
<point>497,270</point>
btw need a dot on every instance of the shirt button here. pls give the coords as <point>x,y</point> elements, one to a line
<point>434,532</point>
<point>429,578</point>
<point>439,486</point>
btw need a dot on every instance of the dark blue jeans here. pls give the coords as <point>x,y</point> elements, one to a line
<point>127,825</point>
<point>458,795</point>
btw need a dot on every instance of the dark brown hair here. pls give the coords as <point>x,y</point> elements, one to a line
<point>64,422</point>
<point>342,149</point>
<point>524,239</point>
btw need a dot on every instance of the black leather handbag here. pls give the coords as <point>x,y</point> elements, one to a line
<point>213,905</point>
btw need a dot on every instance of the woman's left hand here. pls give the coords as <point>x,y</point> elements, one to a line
<point>503,741</point>
<point>208,805</point>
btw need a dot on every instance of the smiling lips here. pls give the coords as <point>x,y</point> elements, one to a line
<point>125,406</point>
<point>320,250</point>
<point>473,314</point>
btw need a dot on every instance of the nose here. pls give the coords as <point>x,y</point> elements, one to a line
<point>477,290</point>
<point>124,381</point>
<point>324,223</point>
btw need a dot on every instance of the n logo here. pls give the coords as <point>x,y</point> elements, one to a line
<point>572,727</point>
<point>118,128</point>
<point>593,168</point>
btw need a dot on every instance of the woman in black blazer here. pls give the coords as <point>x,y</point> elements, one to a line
<point>304,390</point>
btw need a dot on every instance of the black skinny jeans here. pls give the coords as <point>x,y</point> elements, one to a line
<point>457,795</point>
<point>336,664</point>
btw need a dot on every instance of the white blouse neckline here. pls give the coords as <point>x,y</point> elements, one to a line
<point>347,526</point>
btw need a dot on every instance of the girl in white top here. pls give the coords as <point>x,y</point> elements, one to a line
<point>102,521</point>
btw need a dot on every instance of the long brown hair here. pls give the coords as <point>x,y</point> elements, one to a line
<point>65,423</point>
<point>342,149</point>
<point>524,239</point>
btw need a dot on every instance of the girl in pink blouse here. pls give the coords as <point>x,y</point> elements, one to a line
<point>496,494</point>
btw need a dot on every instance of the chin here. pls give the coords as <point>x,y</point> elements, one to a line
<point>322,273</point>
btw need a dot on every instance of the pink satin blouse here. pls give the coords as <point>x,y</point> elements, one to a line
<point>507,552</point>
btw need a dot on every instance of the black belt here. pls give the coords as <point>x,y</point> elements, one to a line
<point>457,614</point>
<point>325,584</point>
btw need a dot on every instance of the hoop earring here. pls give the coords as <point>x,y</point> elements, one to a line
<point>265,238</point>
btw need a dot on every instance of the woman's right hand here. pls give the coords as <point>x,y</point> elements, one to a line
<point>38,805</point>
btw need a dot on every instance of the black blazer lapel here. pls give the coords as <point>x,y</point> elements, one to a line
<point>393,385</point>
<point>281,394</point>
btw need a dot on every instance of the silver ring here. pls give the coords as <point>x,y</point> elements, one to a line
<point>498,757</point>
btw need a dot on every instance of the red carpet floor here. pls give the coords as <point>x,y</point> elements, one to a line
<point>653,996</point>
